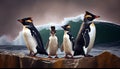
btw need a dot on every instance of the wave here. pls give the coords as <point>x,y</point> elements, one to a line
<point>106,31</point>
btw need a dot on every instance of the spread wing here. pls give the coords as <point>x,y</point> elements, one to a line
<point>86,38</point>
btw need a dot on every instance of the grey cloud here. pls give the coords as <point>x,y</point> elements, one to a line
<point>45,11</point>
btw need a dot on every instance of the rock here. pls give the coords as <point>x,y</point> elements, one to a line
<point>9,61</point>
<point>103,60</point>
<point>107,60</point>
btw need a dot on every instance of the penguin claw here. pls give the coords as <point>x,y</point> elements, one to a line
<point>72,57</point>
<point>56,56</point>
<point>65,56</point>
<point>49,57</point>
<point>35,54</point>
<point>30,53</point>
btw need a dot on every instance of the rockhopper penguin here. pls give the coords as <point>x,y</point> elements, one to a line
<point>68,41</point>
<point>52,44</point>
<point>32,37</point>
<point>86,36</point>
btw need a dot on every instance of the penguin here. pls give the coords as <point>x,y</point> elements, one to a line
<point>68,41</point>
<point>32,37</point>
<point>52,44</point>
<point>86,36</point>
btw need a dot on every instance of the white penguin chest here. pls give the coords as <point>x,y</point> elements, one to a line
<point>66,38</point>
<point>53,45</point>
<point>29,39</point>
<point>67,44</point>
<point>92,32</point>
<point>92,35</point>
<point>53,40</point>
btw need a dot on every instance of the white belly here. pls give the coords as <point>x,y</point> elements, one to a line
<point>52,45</point>
<point>92,35</point>
<point>67,45</point>
<point>29,40</point>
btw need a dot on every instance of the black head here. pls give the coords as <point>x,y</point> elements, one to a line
<point>89,16</point>
<point>53,31</point>
<point>26,21</point>
<point>66,27</point>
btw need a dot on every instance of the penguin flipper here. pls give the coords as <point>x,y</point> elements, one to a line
<point>71,39</point>
<point>41,51</point>
<point>61,48</point>
<point>86,38</point>
<point>38,38</point>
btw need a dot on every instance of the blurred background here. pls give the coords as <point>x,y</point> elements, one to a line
<point>52,11</point>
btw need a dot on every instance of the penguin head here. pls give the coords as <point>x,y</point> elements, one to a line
<point>89,16</point>
<point>26,21</point>
<point>66,27</point>
<point>53,31</point>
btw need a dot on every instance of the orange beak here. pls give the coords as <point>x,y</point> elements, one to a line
<point>20,20</point>
<point>97,16</point>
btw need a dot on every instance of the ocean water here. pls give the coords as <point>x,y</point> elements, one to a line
<point>112,47</point>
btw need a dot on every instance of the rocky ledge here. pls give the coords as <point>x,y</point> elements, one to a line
<point>103,60</point>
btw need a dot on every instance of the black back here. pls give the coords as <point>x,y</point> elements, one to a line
<point>37,36</point>
<point>82,40</point>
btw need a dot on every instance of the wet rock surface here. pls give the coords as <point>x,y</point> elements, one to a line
<point>19,59</point>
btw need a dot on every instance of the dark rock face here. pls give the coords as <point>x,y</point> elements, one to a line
<point>104,60</point>
<point>107,60</point>
<point>9,61</point>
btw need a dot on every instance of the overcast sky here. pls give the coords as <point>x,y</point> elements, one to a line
<point>46,11</point>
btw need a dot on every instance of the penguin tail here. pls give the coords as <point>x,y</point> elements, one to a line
<point>45,53</point>
<point>76,53</point>
<point>79,52</point>
<point>41,51</point>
